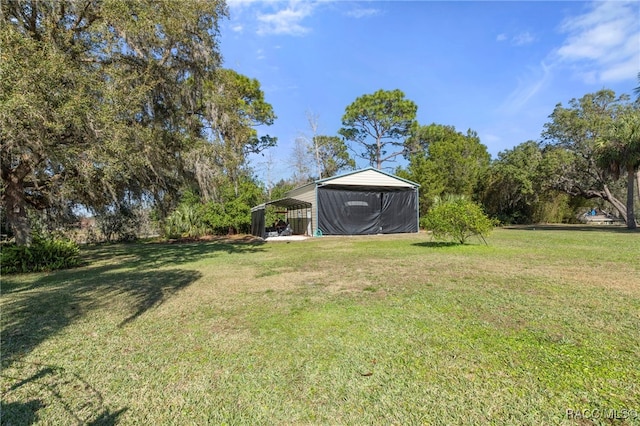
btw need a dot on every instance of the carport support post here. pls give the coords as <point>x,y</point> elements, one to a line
<point>315,206</point>
<point>417,210</point>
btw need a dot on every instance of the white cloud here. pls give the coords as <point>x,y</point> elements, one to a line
<point>267,17</point>
<point>241,4</point>
<point>600,46</point>
<point>522,39</point>
<point>286,21</point>
<point>519,39</point>
<point>363,13</point>
<point>528,87</point>
<point>604,43</point>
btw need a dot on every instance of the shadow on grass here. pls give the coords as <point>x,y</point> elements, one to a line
<point>55,385</point>
<point>57,300</point>
<point>436,244</point>
<point>129,284</point>
<point>127,279</point>
<point>20,413</point>
<point>109,257</point>
<point>577,228</point>
<point>35,310</point>
<point>143,255</point>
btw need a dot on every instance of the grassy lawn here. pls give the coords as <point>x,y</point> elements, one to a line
<point>355,330</point>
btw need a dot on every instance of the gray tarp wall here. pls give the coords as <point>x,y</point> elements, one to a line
<point>362,211</point>
<point>257,221</point>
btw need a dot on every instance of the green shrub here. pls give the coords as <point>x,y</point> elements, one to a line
<point>42,255</point>
<point>185,222</point>
<point>457,219</point>
<point>121,224</point>
<point>234,215</point>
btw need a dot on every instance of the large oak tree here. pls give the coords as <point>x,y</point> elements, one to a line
<point>102,101</point>
<point>580,130</point>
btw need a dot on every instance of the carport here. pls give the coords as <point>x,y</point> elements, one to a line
<point>297,215</point>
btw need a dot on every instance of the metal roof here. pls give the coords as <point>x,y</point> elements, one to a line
<point>288,202</point>
<point>327,181</point>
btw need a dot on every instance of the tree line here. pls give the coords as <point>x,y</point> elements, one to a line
<point>119,106</point>
<point>589,152</point>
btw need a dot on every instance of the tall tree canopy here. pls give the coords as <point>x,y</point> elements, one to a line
<point>332,154</point>
<point>445,162</point>
<point>232,106</point>
<point>512,190</point>
<point>589,131</point>
<point>112,100</point>
<point>380,123</point>
<point>618,152</point>
<point>518,186</point>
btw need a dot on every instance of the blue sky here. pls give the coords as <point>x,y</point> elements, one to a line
<point>498,68</point>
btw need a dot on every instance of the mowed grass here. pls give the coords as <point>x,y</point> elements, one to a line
<point>353,330</point>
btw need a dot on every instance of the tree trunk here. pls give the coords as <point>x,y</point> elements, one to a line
<point>617,204</point>
<point>631,218</point>
<point>638,182</point>
<point>16,207</point>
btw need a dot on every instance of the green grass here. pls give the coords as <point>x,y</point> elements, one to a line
<point>354,330</point>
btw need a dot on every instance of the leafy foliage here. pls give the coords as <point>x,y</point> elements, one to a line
<point>186,221</point>
<point>457,219</point>
<point>619,147</point>
<point>380,123</point>
<point>618,152</point>
<point>229,213</point>
<point>44,108</point>
<point>44,254</point>
<point>445,162</point>
<point>232,212</point>
<point>578,130</point>
<point>233,105</point>
<point>519,189</point>
<point>333,155</point>
<point>121,223</point>
<point>87,84</point>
